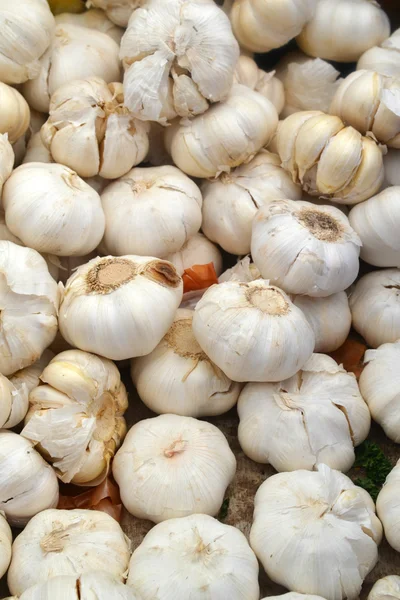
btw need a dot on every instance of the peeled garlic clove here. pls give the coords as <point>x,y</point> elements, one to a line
<point>198,250</point>
<point>383,59</point>
<point>387,506</point>
<point>94,19</point>
<point>385,588</point>
<point>247,73</point>
<point>5,544</point>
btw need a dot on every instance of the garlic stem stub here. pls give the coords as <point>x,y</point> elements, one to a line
<point>198,250</point>
<point>387,587</point>
<point>385,58</point>
<point>247,73</point>
<point>387,506</point>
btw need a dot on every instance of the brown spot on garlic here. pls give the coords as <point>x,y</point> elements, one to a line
<point>323,226</point>
<point>109,275</point>
<point>270,300</point>
<point>162,272</point>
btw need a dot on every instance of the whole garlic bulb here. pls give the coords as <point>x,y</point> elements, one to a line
<point>179,378</point>
<point>198,250</point>
<point>304,514</point>
<point>388,509</point>
<point>5,544</point>
<point>15,114</point>
<point>59,213</point>
<point>75,53</point>
<point>386,588</point>
<point>391,162</point>
<point>226,136</point>
<point>120,307</point>
<point>329,159</point>
<point>231,201</point>
<point>194,556</point>
<point>252,331</point>
<point>342,30</point>
<point>173,466</point>
<point>316,416</point>
<point>305,249</point>
<point>380,387</point>
<point>6,160</point>
<point>151,211</point>
<point>377,222</point>
<point>94,19</point>
<point>178,56</point>
<point>247,73</point>
<point>118,11</point>
<point>67,542</point>
<point>384,59</point>
<point>91,131</point>
<point>263,25</point>
<point>28,485</point>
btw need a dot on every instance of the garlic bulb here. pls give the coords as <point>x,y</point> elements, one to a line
<point>391,162</point>
<point>67,542</point>
<point>150,211</point>
<point>173,466</point>
<point>387,588</point>
<point>384,59</point>
<point>178,378</point>
<point>118,11</point>
<point>5,233</point>
<point>342,30</point>
<point>94,19</point>
<point>29,304</point>
<point>5,544</point>
<point>36,151</point>
<point>304,515</point>
<point>28,485</point>
<point>329,159</point>
<point>59,214</point>
<point>178,56</point>
<point>231,201</point>
<point>252,331</point>
<point>316,416</point>
<point>14,115</point>
<point>75,53</point>
<point>120,307</point>
<point>198,250</point>
<point>243,270</point>
<point>27,30</point>
<point>380,387</point>
<point>377,222</point>
<point>6,160</point>
<point>247,73</point>
<point>196,557</point>
<point>91,131</point>
<point>305,249</point>
<point>329,317</point>
<point>263,25</point>
<point>388,508</point>
<point>226,136</point>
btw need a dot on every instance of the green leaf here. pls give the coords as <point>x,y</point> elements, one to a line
<point>371,458</point>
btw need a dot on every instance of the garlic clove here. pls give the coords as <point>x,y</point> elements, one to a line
<point>387,587</point>
<point>383,59</point>
<point>94,19</point>
<point>247,73</point>
<point>387,506</point>
<point>118,11</point>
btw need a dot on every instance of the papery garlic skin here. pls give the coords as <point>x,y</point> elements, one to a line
<point>173,466</point>
<point>120,307</point>
<point>6,160</point>
<point>58,213</point>
<point>67,542</point>
<point>387,588</point>
<point>247,73</point>
<point>118,11</point>
<point>244,271</point>
<point>5,544</point>
<point>198,250</point>
<point>195,555</point>
<point>28,485</point>
<point>252,331</point>
<point>305,249</point>
<point>226,136</point>
<point>231,201</point>
<point>342,30</point>
<point>392,167</point>
<point>150,211</point>
<point>388,509</point>
<point>15,114</point>
<point>383,59</point>
<point>302,514</point>
<point>329,159</point>
<point>94,19</point>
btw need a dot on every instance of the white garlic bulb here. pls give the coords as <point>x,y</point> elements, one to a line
<point>380,387</point>
<point>329,159</point>
<point>151,211</point>
<point>388,509</point>
<point>94,19</point>
<point>231,201</point>
<point>377,222</point>
<point>195,556</point>
<point>342,30</point>
<point>75,53</point>
<point>179,378</point>
<point>178,56</point>
<point>385,58</point>
<point>36,151</point>
<point>391,162</point>
<point>198,250</point>
<point>305,249</point>
<point>227,135</point>
<point>67,542</point>
<point>15,114</point>
<point>29,303</point>
<point>387,588</point>
<point>59,214</point>
<point>118,11</point>
<point>120,307</point>
<point>316,416</point>
<point>247,73</point>
<point>28,485</point>
<point>302,515</point>
<point>252,331</point>
<point>5,544</point>
<point>6,160</point>
<point>5,233</point>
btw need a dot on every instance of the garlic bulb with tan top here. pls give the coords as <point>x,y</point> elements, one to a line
<point>14,115</point>
<point>198,250</point>
<point>91,131</point>
<point>94,19</point>
<point>5,544</point>
<point>247,73</point>
<point>67,542</point>
<point>387,588</point>
<point>172,466</point>
<point>6,160</point>
<point>384,58</point>
<point>388,508</point>
<point>231,201</point>
<point>226,136</point>
<point>120,307</point>
<point>118,11</point>
<point>329,159</point>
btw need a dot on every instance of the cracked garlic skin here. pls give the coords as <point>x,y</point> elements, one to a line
<point>15,114</point>
<point>387,588</point>
<point>150,211</point>
<point>231,201</point>
<point>247,73</point>
<point>67,542</point>
<point>194,557</point>
<point>305,249</point>
<point>227,135</point>
<point>302,515</point>
<point>94,19</point>
<point>198,250</point>
<point>5,544</point>
<point>172,466</point>
<point>388,509</point>
<point>120,307</point>
<point>384,59</point>
<point>252,331</point>
<point>179,56</point>
<point>329,159</point>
